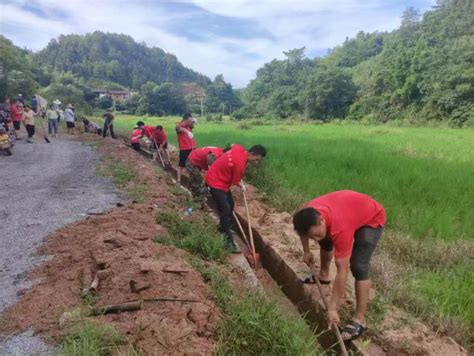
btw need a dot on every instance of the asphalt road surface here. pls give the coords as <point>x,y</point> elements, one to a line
<point>42,188</point>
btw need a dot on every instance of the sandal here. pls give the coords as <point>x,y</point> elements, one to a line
<point>312,280</point>
<point>354,329</point>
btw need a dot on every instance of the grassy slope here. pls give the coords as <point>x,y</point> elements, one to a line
<point>423,176</point>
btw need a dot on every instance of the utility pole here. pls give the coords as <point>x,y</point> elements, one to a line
<point>202,107</point>
<point>223,108</point>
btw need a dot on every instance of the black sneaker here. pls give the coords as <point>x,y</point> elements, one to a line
<point>232,247</point>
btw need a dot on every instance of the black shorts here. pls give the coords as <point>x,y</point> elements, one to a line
<point>17,125</point>
<point>70,125</point>
<point>183,156</point>
<point>365,241</point>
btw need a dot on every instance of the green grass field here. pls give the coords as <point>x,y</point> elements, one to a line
<point>423,176</point>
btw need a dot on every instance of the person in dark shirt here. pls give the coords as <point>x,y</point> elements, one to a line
<point>108,124</point>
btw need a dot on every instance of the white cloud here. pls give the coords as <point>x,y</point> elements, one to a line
<point>318,25</point>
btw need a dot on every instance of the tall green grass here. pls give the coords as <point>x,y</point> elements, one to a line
<point>423,176</point>
<point>89,338</point>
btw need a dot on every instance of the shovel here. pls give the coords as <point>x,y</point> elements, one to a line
<point>255,257</point>
<point>336,330</point>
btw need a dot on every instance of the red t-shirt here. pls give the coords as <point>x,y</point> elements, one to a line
<point>345,212</point>
<point>148,131</point>
<point>198,157</point>
<point>160,137</point>
<point>136,135</point>
<point>16,112</point>
<point>228,170</point>
<point>184,142</point>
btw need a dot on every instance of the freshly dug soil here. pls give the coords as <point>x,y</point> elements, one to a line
<point>120,243</point>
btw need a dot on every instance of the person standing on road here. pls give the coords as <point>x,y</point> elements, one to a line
<point>350,224</point>
<point>69,117</point>
<point>34,104</point>
<point>186,141</point>
<point>52,115</point>
<point>228,170</point>
<point>199,161</point>
<point>29,122</point>
<point>108,123</point>
<point>16,114</point>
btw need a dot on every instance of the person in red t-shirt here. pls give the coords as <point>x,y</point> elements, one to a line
<point>159,141</point>
<point>228,170</point>
<point>16,114</point>
<point>200,160</point>
<point>350,223</point>
<point>186,141</point>
<point>137,133</point>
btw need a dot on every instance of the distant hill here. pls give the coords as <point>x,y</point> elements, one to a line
<point>115,58</point>
<point>421,72</point>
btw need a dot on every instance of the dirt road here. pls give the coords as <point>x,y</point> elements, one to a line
<point>43,187</point>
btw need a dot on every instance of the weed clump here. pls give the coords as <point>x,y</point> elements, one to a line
<point>121,174</point>
<point>254,324</point>
<point>201,238</point>
<point>90,338</point>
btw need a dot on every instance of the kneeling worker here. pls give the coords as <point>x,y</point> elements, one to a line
<point>227,171</point>
<point>350,223</point>
<point>137,133</point>
<point>200,160</point>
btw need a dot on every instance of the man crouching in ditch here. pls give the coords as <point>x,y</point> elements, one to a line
<point>350,224</point>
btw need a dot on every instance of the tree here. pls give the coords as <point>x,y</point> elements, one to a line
<point>330,94</point>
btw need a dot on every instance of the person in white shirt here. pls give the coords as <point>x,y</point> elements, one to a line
<point>69,117</point>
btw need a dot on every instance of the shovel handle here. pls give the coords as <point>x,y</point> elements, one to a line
<point>241,230</point>
<point>252,245</point>
<point>336,330</point>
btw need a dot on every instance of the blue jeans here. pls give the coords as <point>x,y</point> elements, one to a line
<point>53,126</point>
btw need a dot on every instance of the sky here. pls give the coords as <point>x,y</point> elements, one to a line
<point>232,37</point>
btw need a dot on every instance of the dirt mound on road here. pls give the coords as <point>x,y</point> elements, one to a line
<point>132,266</point>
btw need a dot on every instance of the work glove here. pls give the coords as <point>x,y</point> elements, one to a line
<point>190,135</point>
<point>242,186</point>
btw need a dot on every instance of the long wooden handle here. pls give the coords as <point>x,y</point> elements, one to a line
<point>241,230</point>
<point>252,245</point>
<point>342,345</point>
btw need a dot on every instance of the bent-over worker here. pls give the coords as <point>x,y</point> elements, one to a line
<point>348,225</point>
<point>228,170</point>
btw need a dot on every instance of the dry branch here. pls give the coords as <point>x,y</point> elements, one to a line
<point>117,308</point>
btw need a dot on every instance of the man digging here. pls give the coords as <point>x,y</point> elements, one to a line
<point>226,171</point>
<point>350,224</point>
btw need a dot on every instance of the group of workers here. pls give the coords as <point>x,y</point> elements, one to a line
<point>346,224</point>
<point>21,112</point>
